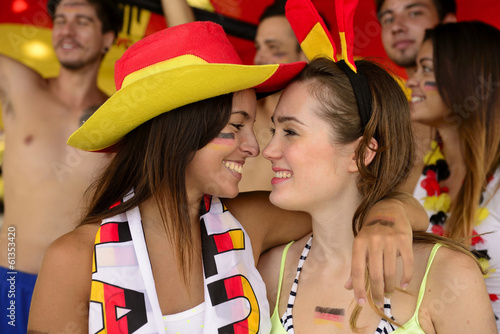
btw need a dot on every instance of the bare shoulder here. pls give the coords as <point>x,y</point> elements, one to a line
<point>456,295</point>
<point>68,260</point>
<point>452,262</point>
<point>448,266</point>
<point>62,290</point>
<point>77,243</point>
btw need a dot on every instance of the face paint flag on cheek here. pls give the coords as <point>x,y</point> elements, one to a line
<point>223,139</point>
<point>430,86</point>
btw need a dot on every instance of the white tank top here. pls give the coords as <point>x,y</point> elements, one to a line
<point>190,321</point>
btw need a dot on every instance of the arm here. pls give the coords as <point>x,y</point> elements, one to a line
<point>177,12</point>
<point>267,225</point>
<point>61,297</point>
<point>17,84</point>
<point>385,235</point>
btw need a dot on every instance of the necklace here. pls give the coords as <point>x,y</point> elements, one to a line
<point>438,201</point>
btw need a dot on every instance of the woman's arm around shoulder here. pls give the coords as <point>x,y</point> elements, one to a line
<point>267,225</point>
<point>456,296</point>
<point>60,302</point>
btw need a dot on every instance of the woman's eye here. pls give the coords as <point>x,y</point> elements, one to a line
<point>426,69</point>
<point>290,133</point>
<point>272,131</point>
<point>237,126</point>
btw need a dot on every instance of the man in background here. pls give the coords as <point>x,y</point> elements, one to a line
<point>404,23</point>
<point>44,178</point>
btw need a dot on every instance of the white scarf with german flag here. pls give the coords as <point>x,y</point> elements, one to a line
<point>123,296</point>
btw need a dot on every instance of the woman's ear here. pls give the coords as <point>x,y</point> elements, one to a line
<point>370,153</point>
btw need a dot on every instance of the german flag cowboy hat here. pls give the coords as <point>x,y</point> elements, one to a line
<point>171,68</point>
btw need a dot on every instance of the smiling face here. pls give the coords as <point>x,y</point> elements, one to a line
<point>275,42</point>
<point>426,104</point>
<point>309,170</point>
<point>403,28</point>
<point>216,168</point>
<point>77,34</point>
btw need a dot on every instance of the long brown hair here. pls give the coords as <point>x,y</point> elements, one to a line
<point>467,69</point>
<point>389,124</point>
<point>152,161</point>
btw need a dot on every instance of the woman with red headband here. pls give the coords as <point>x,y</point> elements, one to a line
<point>158,251</point>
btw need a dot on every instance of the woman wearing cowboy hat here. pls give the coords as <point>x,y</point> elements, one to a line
<point>158,251</point>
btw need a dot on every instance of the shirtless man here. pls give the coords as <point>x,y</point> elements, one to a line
<point>45,179</point>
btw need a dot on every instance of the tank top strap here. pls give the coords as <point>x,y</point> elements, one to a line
<point>421,291</point>
<point>287,318</point>
<point>282,273</point>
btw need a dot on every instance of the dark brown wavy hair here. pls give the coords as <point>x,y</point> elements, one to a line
<point>152,161</point>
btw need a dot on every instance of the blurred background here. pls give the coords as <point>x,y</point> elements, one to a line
<point>25,28</point>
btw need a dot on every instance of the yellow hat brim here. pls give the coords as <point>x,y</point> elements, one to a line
<point>158,93</point>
